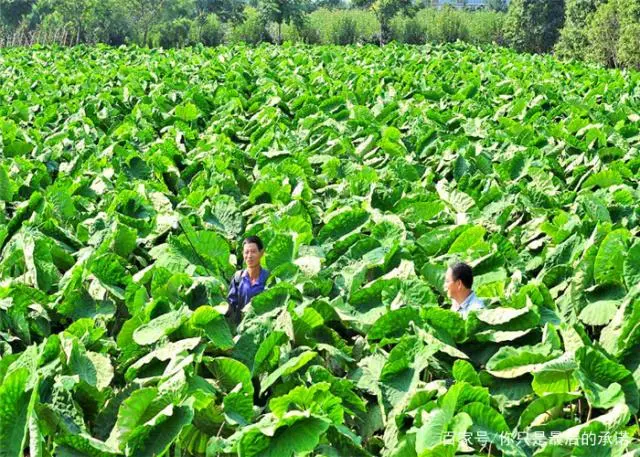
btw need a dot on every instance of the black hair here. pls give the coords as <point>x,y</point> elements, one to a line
<point>253,239</point>
<point>463,272</point>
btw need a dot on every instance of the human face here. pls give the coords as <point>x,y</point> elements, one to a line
<point>252,255</point>
<point>451,287</point>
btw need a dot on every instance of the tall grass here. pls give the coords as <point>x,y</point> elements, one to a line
<point>323,26</point>
<point>336,27</point>
<point>449,25</point>
<point>443,25</point>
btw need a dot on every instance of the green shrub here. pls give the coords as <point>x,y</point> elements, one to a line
<point>118,26</point>
<point>308,34</point>
<point>51,28</point>
<point>614,34</point>
<point>574,39</point>
<point>344,27</point>
<point>603,34</point>
<point>175,34</point>
<point>486,27</point>
<point>345,31</point>
<point>629,45</point>
<point>304,33</point>
<point>333,24</point>
<point>534,25</point>
<point>252,30</point>
<point>414,32</point>
<point>409,30</point>
<point>449,26</point>
<point>211,32</point>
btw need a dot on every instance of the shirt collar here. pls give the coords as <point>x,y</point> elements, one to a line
<point>261,278</point>
<point>468,300</point>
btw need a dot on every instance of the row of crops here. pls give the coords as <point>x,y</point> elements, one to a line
<point>129,177</point>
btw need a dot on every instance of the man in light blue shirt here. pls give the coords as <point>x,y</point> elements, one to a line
<point>458,283</point>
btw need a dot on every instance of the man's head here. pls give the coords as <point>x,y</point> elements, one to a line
<point>252,251</point>
<point>458,281</point>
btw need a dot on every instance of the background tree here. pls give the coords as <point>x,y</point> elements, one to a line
<point>252,29</point>
<point>385,10</point>
<point>534,25</point>
<point>40,10</point>
<point>115,20</point>
<point>497,5</point>
<point>226,11</point>
<point>574,40</point>
<point>329,4</point>
<point>178,9</point>
<point>614,34</point>
<point>283,12</point>
<point>629,42</point>
<point>13,11</point>
<point>211,30</point>
<point>145,14</point>
<point>80,14</point>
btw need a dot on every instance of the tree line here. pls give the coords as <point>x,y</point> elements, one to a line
<point>603,31</point>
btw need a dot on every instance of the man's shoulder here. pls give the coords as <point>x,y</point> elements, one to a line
<point>237,276</point>
<point>476,302</point>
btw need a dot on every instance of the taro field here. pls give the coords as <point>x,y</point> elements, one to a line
<point>129,178</point>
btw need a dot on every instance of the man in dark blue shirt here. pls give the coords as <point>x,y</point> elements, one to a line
<point>248,283</point>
